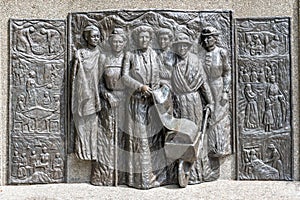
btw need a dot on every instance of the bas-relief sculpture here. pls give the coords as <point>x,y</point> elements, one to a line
<point>36,128</point>
<point>264,102</point>
<point>141,79</point>
<point>149,97</point>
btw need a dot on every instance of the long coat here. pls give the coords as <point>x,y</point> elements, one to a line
<point>143,132</point>
<point>189,85</point>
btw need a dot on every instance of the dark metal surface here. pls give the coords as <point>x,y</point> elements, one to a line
<point>264,99</point>
<point>133,54</point>
<point>149,98</point>
<point>37,128</point>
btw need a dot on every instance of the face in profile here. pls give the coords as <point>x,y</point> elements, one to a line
<point>182,49</point>
<point>209,41</point>
<point>164,41</point>
<point>144,40</point>
<point>117,43</point>
<point>93,38</point>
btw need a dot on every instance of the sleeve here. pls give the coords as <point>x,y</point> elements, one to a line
<point>127,79</point>
<point>102,88</point>
<point>226,71</point>
<point>204,88</point>
<point>206,93</point>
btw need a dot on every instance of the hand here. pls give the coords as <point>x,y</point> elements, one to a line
<point>106,96</point>
<point>224,99</point>
<point>209,107</point>
<point>146,90</point>
<point>76,54</point>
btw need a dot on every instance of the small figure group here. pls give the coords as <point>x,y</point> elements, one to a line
<point>274,109</point>
<point>269,169</point>
<point>24,167</point>
<point>41,99</point>
<point>26,40</point>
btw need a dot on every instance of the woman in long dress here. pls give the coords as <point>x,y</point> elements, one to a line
<point>218,74</point>
<point>85,94</point>
<point>251,111</point>
<point>105,169</point>
<point>278,103</point>
<point>145,157</point>
<point>189,85</point>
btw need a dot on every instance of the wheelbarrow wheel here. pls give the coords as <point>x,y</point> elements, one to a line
<point>183,174</point>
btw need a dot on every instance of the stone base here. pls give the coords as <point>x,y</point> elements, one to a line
<point>212,190</point>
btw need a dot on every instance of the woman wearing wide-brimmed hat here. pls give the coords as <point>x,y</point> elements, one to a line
<point>189,85</point>
<point>217,68</point>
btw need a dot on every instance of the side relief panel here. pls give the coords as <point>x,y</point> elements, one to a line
<point>264,99</point>
<point>36,127</point>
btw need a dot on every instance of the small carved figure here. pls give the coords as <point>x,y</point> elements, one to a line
<point>272,44</point>
<point>23,39</point>
<point>218,74</point>
<point>15,163</point>
<point>26,123</point>
<point>53,40</point>
<point>261,76</point>
<point>274,160</point>
<point>56,103</point>
<point>268,119</point>
<point>188,84</point>
<point>85,94</point>
<point>251,112</point>
<point>18,72</point>
<point>31,89</point>
<point>278,103</point>
<point>46,101</point>
<point>21,103</point>
<point>45,158</point>
<point>22,172</point>
<point>241,73</point>
<point>256,47</point>
<point>268,71</point>
<point>33,159</point>
<point>58,165</point>
<point>32,163</point>
<point>246,77</point>
<point>254,76</point>
<point>247,162</point>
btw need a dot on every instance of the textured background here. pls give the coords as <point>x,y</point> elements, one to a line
<point>41,9</point>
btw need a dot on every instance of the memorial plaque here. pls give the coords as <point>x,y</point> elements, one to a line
<point>148,97</point>
<point>151,95</point>
<point>37,98</point>
<point>264,99</point>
